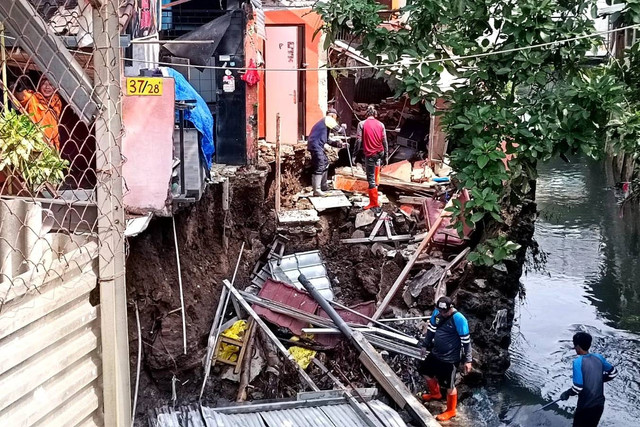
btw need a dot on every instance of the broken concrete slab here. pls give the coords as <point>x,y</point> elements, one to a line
<point>365,218</point>
<point>330,202</point>
<point>380,249</point>
<point>422,286</point>
<point>296,217</point>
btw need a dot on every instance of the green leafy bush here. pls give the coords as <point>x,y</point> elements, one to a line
<point>25,154</point>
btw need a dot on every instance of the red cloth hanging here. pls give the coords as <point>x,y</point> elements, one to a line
<point>251,76</point>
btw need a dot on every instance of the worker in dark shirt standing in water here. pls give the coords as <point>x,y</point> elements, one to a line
<point>590,372</point>
<point>447,335</point>
<point>318,137</point>
<point>372,137</point>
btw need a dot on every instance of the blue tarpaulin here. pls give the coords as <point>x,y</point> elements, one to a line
<point>200,116</point>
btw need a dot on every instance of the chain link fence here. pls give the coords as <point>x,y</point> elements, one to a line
<point>61,214</point>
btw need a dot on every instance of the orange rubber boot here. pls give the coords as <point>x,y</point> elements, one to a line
<point>452,402</point>
<point>376,175</point>
<point>373,199</point>
<point>434,391</point>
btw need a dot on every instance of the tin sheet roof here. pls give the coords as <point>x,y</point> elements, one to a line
<point>311,265</point>
<point>307,414</point>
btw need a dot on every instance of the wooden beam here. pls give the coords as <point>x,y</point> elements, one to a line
<point>385,376</point>
<point>278,178</point>
<point>407,268</point>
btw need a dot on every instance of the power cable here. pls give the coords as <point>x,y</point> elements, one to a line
<point>403,63</point>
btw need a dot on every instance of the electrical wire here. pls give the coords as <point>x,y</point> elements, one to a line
<point>403,63</point>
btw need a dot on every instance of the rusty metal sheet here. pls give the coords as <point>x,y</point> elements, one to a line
<point>285,294</point>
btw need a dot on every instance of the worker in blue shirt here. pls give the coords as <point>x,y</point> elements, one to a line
<point>318,137</point>
<point>447,336</point>
<point>590,372</point>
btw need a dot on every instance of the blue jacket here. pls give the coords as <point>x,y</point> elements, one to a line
<point>590,372</point>
<point>319,134</point>
<point>448,336</point>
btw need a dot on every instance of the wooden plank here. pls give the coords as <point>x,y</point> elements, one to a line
<point>56,391</point>
<point>278,166</point>
<point>80,406</point>
<point>28,341</point>
<point>376,228</point>
<point>399,238</point>
<point>391,383</point>
<point>20,313</point>
<point>29,375</point>
<point>411,200</point>
<point>268,331</point>
<point>407,268</point>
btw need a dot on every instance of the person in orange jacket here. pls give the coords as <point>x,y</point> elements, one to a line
<point>43,106</point>
<point>372,137</point>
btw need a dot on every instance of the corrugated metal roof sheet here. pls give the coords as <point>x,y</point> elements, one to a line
<point>214,418</point>
<point>306,416</point>
<point>311,265</point>
<point>285,294</point>
<point>301,417</point>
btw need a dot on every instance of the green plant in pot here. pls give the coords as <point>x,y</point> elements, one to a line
<point>26,156</point>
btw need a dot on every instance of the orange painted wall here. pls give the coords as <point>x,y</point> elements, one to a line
<point>311,21</point>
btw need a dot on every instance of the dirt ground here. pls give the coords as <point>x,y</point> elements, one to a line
<point>357,273</point>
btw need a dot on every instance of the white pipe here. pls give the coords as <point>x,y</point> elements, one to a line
<point>184,322</point>
<point>135,393</point>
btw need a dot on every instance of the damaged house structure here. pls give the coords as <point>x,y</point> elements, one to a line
<point>245,287</point>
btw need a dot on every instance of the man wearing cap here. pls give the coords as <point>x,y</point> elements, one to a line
<point>319,136</point>
<point>590,372</point>
<point>372,136</point>
<point>447,335</point>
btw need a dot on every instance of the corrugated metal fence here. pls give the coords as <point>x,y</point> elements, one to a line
<point>64,358</point>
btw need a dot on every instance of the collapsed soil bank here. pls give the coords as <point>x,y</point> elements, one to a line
<point>358,274</point>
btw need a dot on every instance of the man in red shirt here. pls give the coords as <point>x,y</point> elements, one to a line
<point>372,137</point>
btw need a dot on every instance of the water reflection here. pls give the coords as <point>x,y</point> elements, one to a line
<point>591,283</point>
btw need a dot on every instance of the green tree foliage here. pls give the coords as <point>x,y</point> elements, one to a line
<point>509,98</point>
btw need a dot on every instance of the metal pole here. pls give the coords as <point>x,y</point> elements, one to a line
<point>111,223</point>
<point>3,58</point>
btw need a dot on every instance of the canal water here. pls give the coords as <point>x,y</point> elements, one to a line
<point>590,282</point>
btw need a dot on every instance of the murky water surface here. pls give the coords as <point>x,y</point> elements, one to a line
<point>591,282</point>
